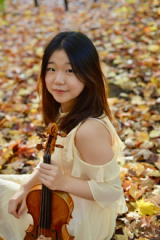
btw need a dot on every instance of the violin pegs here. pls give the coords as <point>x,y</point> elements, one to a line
<point>62,134</point>
<point>59,146</point>
<point>39,146</point>
<point>42,135</point>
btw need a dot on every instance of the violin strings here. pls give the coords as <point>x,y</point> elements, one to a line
<point>43,193</point>
<point>45,210</point>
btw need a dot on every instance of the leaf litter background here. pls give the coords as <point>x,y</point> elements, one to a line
<point>127,37</point>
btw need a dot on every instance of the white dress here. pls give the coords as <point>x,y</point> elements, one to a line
<point>92,220</point>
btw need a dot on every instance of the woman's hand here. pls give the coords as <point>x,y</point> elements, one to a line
<point>51,175</point>
<point>17,204</point>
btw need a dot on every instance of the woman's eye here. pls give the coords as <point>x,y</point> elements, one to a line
<point>51,69</point>
<point>69,70</point>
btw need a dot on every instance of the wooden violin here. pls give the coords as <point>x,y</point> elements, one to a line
<point>51,210</point>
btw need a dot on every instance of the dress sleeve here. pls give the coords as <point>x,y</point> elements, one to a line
<point>104,180</point>
<point>109,194</point>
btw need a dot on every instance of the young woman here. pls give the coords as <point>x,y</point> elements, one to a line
<point>73,94</point>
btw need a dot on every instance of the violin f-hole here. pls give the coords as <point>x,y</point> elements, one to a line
<point>36,233</point>
<point>56,233</point>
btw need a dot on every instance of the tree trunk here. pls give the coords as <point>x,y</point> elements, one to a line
<point>36,3</point>
<point>66,4</point>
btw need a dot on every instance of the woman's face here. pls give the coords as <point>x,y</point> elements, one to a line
<point>60,80</point>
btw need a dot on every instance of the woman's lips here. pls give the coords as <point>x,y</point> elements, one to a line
<point>59,91</point>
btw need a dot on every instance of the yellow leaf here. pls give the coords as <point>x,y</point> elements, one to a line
<point>139,169</point>
<point>3,23</point>
<point>33,110</point>
<point>143,108</point>
<point>104,5</point>
<point>113,101</point>
<point>23,92</point>
<point>1,93</point>
<point>39,51</point>
<point>155,81</point>
<point>154,28</point>
<point>152,173</point>
<point>127,234</point>
<point>155,117</point>
<point>122,176</point>
<point>154,133</point>
<point>138,100</point>
<point>36,68</point>
<point>142,136</point>
<point>145,208</point>
<point>28,12</point>
<point>153,48</point>
<point>118,40</point>
<point>133,191</point>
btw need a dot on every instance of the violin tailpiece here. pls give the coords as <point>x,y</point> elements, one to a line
<point>44,238</point>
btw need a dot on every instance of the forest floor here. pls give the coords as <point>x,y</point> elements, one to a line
<point>126,35</point>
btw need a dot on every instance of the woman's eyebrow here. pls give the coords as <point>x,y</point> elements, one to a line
<point>54,63</point>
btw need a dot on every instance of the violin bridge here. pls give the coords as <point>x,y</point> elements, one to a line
<point>44,238</point>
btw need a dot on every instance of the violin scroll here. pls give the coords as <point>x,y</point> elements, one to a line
<point>52,130</point>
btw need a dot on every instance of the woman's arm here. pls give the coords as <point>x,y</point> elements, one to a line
<point>93,142</point>
<point>53,178</point>
<point>17,204</point>
<point>31,181</point>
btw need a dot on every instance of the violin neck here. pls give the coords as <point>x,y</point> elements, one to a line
<point>45,211</point>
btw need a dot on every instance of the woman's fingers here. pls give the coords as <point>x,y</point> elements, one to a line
<point>15,214</point>
<point>54,163</point>
<point>21,208</point>
<point>45,182</point>
<point>51,175</point>
<point>13,208</point>
<point>44,171</point>
<point>43,176</point>
<point>48,166</point>
<point>48,170</point>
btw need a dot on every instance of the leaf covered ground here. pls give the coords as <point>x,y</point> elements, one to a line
<point>126,35</point>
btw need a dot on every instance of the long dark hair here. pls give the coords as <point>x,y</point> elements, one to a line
<point>84,59</point>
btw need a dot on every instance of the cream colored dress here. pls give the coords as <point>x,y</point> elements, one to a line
<point>92,220</point>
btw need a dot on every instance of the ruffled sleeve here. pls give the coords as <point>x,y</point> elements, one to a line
<point>109,194</point>
<point>104,180</point>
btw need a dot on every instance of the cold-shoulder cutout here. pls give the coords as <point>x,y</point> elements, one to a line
<point>99,172</point>
<point>93,142</point>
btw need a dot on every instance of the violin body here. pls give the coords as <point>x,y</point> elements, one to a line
<point>62,207</point>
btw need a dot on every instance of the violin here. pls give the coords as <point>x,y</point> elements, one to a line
<point>51,210</point>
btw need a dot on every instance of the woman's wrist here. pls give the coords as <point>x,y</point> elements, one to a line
<point>65,184</point>
<point>32,180</point>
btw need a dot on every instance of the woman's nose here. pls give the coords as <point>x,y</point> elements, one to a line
<point>59,78</point>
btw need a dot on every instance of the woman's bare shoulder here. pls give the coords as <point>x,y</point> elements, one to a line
<point>93,141</point>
